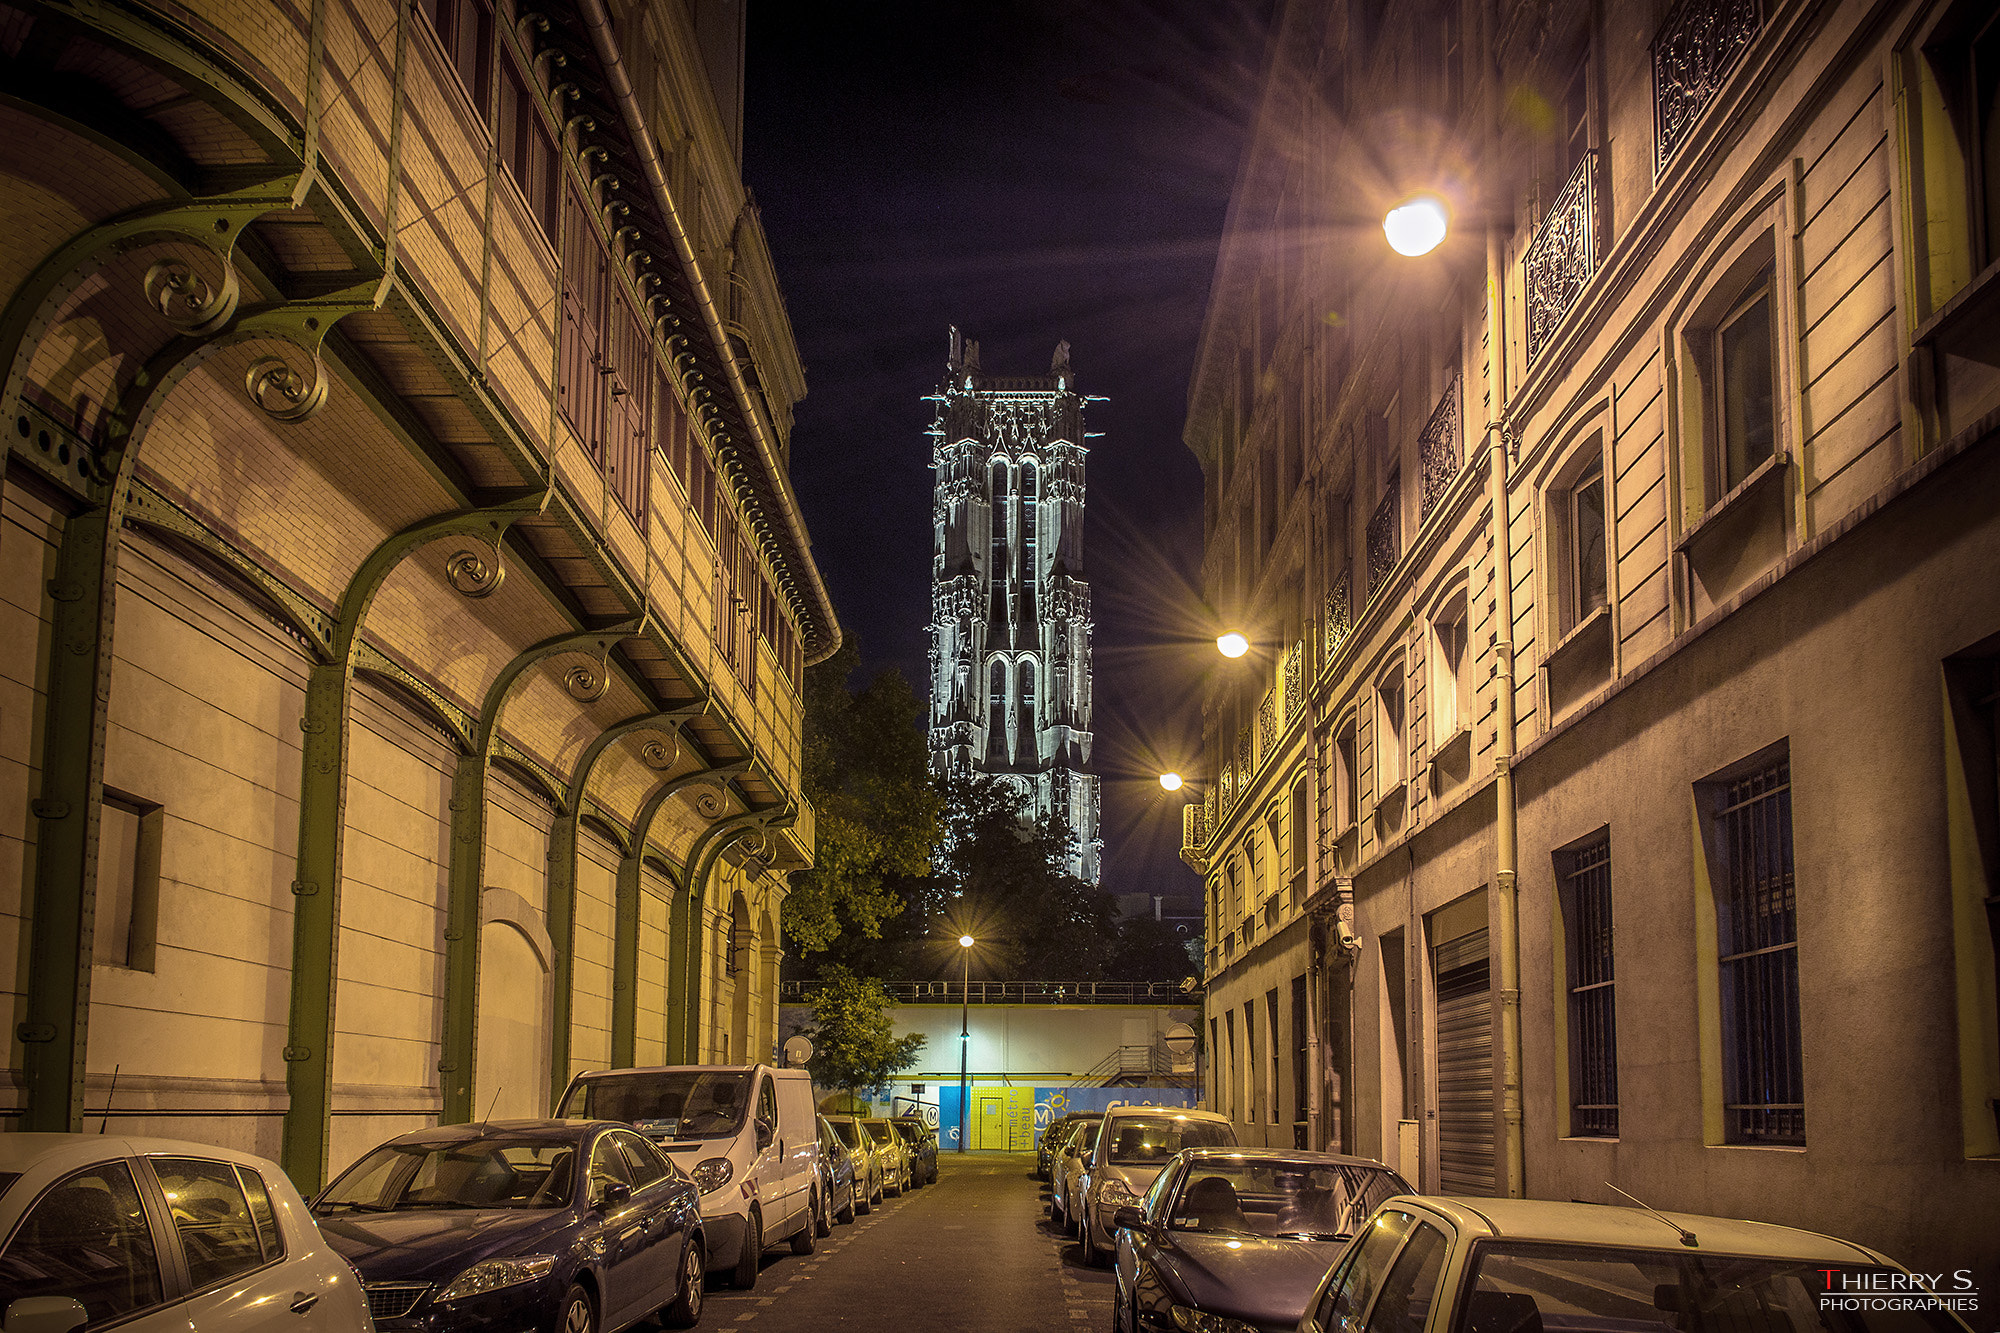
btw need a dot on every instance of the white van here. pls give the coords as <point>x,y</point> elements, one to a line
<point>747,1135</point>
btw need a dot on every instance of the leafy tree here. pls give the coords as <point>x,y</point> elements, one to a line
<point>866,772</point>
<point>855,1046</point>
<point>1149,950</point>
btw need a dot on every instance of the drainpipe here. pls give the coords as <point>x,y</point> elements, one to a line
<point>598,21</point>
<point>1506,850</point>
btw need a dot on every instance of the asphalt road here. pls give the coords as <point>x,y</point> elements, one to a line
<point>975,1251</point>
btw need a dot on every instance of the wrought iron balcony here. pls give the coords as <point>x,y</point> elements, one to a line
<point>1437,445</point>
<point>1339,619</point>
<point>1696,48</point>
<point>1294,675</point>
<point>1385,535</point>
<point>1562,256</point>
<point>1267,726</point>
<point>1196,827</point>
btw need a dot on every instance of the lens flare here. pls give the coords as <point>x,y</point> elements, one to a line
<point>1232,644</point>
<point>1171,781</point>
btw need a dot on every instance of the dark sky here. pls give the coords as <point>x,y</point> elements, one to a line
<point>1029,172</point>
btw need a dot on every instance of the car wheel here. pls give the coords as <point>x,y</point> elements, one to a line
<point>846,1215</point>
<point>685,1312</point>
<point>823,1218</point>
<point>1092,1256</point>
<point>893,1187</point>
<point>862,1203</point>
<point>806,1239</point>
<point>578,1316</point>
<point>745,1276</point>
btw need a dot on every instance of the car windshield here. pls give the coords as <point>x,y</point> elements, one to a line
<point>666,1104</point>
<point>1300,1200</point>
<point>1578,1289</point>
<point>1150,1140</point>
<point>850,1133</point>
<point>484,1173</point>
<point>879,1131</point>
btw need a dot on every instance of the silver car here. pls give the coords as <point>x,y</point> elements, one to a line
<point>868,1165</point>
<point>894,1154</point>
<point>1070,1171</point>
<point>1133,1144</point>
<point>157,1235</point>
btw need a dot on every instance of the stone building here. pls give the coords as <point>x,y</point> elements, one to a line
<point>1611,794</point>
<point>406,599</point>
<point>1010,610</point>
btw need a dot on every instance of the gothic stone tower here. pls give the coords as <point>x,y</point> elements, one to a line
<point>1010,614</point>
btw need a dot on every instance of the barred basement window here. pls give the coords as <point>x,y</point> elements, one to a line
<point>1583,877</point>
<point>1750,840</point>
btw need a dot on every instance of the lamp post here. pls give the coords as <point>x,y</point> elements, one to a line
<point>965,943</point>
<point>1232,644</point>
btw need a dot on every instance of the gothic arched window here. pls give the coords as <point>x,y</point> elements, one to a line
<point>996,712</point>
<point>1030,566</point>
<point>1025,749</point>
<point>997,562</point>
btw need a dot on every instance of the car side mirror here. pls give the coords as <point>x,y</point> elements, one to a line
<point>614,1193</point>
<point>764,1135</point>
<point>1129,1216</point>
<point>45,1314</point>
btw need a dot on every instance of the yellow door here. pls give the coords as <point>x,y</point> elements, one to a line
<point>1003,1120</point>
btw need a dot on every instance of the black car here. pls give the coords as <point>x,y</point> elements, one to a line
<point>1235,1237</point>
<point>839,1191</point>
<point>920,1141</point>
<point>562,1226</point>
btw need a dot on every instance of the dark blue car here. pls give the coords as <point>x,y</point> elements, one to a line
<point>563,1226</point>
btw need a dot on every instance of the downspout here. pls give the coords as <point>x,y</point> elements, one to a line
<point>1506,850</point>
<point>598,21</point>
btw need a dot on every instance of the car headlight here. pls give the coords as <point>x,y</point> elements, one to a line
<point>493,1274</point>
<point>1201,1321</point>
<point>1115,1194</point>
<point>712,1175</point>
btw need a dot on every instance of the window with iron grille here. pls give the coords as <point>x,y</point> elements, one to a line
<point>1583,880</point>
<point>1757,962</point>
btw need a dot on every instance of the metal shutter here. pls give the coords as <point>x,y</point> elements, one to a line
<point>1464,1065</point>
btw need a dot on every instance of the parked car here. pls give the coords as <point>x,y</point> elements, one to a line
<point>1240,1235</point>
<point>921,1143</point>
<point>564,1226</point>
<point>158,1235</point>
<point>746,1134</point>
<point>1053,1139</point>
<point>1132,1145</point>
<point>1500,1265</point>
<point>894,1156</point>
<point>1071,1164</point>
<point>868,1172</point>
<point>837,1186</point>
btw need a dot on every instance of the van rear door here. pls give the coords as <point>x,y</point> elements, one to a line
<point>798,1127</point>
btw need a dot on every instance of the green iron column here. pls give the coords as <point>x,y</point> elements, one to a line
<point>322,820</point>
<point>458,1054</point>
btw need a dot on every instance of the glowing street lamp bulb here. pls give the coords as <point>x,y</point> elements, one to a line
<point>1171,781</point>
<point>965,941</point>
<point>1416,226</point>
<point>1232,644</point>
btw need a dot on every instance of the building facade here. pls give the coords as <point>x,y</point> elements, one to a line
<point>1010,610</point>
<point>407,603</point>
<point>1610,799</point>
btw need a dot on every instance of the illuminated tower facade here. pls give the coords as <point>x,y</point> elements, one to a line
<point>1010,611</point>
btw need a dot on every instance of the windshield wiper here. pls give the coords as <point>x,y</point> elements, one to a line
<point>332,1204</point>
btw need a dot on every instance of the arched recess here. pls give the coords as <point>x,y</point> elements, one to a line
<point>1031,571</point>
<point>657,887</point>
<point>739,965</point>
<point>996,710</point>
<point>517,953</point>
<point>769,955</point>
<point>1026,742</point>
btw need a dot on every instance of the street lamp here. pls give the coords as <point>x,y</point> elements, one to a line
<point>1416,226</point>
<point>1232,644</point>
<point>965,943</point>
<point>1171,781</point>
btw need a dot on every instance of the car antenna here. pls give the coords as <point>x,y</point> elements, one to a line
<point>105,1123</point>
<point>1687,1237</point>
<point>489,1110</point>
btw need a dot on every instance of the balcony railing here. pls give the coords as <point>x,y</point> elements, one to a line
<point>1267,726</point>
<point>1013,992</point>
<point>1196,826</point>
<point>1562,256</point>
<point>1294,675</point>
<point>1438,445</point>
<point>1385,535</point>
<point>1697,47</point>
<point>1339,618</point>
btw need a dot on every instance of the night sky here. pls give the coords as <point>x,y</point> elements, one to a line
<point>1029,172</point>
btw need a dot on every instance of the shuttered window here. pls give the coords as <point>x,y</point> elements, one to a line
<point>1464,1065</point>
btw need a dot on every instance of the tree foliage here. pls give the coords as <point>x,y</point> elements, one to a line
<point>855,1046</point>
<point>867,776</point>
